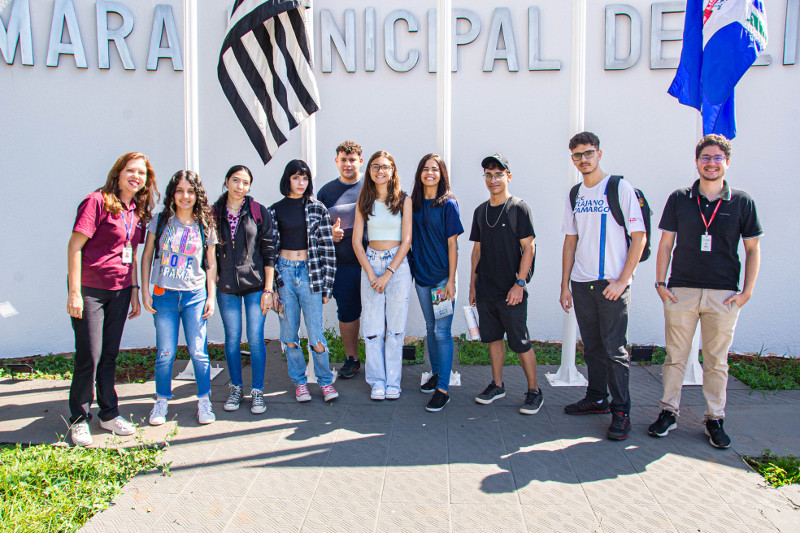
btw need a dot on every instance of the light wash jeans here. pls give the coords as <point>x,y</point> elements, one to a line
<point>383,320</point>
<point>230,309</point>
<point>172,308</point>
<point>296,295</point>
<point>440,336</point>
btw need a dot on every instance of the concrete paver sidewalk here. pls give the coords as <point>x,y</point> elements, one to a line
<point>359,465</point>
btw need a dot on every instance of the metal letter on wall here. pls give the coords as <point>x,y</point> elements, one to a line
<point>345,46</point>
<point>433,38</point>
<point>164,19</point>
<point>64,16</point>
<point>659,35</point>
<point>106,35</point>
<point>19,32</point>
<point>501,25</point>
<point>790,35</point>
<point>390,42</point>
<point>612,12</point>
<point>468,36</point>
<point>370,32</point>
<point>535,44</point>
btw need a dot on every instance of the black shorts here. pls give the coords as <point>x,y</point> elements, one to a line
<point>496,319</point>
<point>347,291</point>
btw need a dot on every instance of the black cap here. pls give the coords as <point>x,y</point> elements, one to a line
<point>497,158</point>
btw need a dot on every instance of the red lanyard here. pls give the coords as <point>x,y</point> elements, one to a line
<point>708,224</point>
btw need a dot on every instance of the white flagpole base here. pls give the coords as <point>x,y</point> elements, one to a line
<point>188,373</point>
<point>567,374</point>
<point>694,370</point>
<point>455,378</point>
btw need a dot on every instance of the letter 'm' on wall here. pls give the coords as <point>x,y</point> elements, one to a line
<point>790,33</point>
<point>613,13</point>
<point>390,40</point>
<point>535,61</point>
<point>105,35</point>
<point>18,33</point>
<point>64,16</point>
<point>501,27</point>
<point>164,20</point>
<point>331,35</point>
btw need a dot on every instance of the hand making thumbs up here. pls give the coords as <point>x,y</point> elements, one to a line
<point>338,232</point>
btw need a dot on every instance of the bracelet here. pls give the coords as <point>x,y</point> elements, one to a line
<point>390,269</point>
<point>269,291</point>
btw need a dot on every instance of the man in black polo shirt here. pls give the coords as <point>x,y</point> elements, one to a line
<point>704,223</point>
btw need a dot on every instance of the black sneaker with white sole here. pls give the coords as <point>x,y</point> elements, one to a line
<point>666,422</point>
<point>350,367</point>
<point>620,426</point>
<point>587,407</point>
<point>716,435</point>
<point>429,386</point>
<point>491,393</point>
<point>438,401</point>
<point>533,402</point>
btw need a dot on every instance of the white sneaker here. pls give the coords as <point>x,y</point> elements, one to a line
<point>205,415</point>
<point>392,393</point>
<point>159,413</point>
<point>118,426</point>
<point>378,393</point>
<point>81,436</point>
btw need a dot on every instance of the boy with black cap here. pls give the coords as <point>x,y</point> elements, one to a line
<point>502,255</point>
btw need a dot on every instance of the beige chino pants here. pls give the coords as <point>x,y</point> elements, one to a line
<point>717,324</point>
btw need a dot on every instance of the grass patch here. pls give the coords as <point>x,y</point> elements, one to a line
<point>765,373</point>
<point>778,471</point>
<point>477,353</point>
<point>56,488</point>
<point>336,353</point>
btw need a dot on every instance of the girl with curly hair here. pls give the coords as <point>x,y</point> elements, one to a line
<point>101,264</point>
<point>184,282</point>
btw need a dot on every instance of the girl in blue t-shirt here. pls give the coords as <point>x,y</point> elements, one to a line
<point>435,233</point>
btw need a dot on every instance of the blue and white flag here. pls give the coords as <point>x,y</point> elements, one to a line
<point>721,40</point>
<point>265,70</point>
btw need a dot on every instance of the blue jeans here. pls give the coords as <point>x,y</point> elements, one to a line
<point>230,309</point>
<point>172,308</point>
<point>440,337</point>
<point>382,312</point>
<point>296,296</point>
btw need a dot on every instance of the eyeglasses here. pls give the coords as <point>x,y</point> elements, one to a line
<point>489,176</point>
<point>716,159</point>
<point>588,154</point>
<point>376,168</point>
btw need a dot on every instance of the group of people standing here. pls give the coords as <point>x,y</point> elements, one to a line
<point>364,242</point>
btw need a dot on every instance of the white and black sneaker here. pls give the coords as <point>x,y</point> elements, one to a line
<point>429,386</point>
<point>533,402</point>
<point>666,422</point>
<point>258,406</point>
<point>437,403</point>
<point>234,399</point>
<point>491,393</point>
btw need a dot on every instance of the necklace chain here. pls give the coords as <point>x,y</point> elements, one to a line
<point>498,216</point>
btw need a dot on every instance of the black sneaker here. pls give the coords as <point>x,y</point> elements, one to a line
<point>533,402</point>
<point>587,407</point>
<point>490,394</point>
<point>620,426</point>
<point>717,436</point>
<point>429,386</point>
<point>667,421</point>
<point>438,401</point>
<point>349,368</point>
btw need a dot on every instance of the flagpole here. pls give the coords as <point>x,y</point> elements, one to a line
<point>444,88</point>
<point>567,374</point>
<point>308,127</point>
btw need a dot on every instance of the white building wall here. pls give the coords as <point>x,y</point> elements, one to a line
<point>62,129</point>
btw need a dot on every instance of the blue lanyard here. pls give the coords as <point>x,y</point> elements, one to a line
<point>128,228</point>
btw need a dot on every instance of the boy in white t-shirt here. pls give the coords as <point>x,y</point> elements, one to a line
<point>596,273</point>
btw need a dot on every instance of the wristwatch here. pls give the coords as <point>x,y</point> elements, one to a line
<point>660,284</point>
<point>520,282</point>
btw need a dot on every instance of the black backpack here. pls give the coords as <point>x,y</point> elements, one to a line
<point>612,193</point>
<point>513,201</point>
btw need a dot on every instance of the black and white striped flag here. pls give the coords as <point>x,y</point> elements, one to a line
<point>265,70</point>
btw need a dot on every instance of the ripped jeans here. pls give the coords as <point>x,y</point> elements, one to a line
<point>383,320</point>
<point>296,295</point>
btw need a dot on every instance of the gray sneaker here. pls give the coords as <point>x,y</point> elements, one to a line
<point>235,398</point>
<point>491,393</point>
<point>258,406</point>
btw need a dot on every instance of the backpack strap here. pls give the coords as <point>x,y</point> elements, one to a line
<point>573,195</point>
<point>512,216</point>
<point>612,196</point>
<point>255,211</point>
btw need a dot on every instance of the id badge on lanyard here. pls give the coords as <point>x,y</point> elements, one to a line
<point>705,240</point>
<point>127,250</point>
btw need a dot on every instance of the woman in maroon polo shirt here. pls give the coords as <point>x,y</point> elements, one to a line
<point>101,262</point>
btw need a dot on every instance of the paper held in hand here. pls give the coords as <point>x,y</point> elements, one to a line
<point>442,306</point>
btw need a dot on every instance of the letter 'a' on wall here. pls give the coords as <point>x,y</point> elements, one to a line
<point>613,13</point>
<point>18,33</point>
<point>105,35</point>
<point>164,20</point>
<point>64,17</point>
<point>501,27</point>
